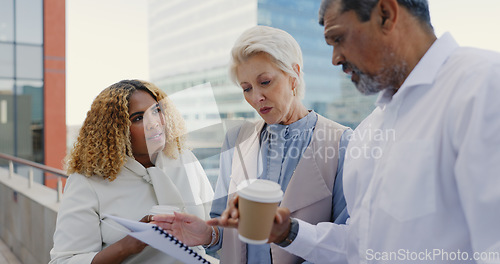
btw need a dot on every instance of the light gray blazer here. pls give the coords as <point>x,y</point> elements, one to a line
<point>309,193</point>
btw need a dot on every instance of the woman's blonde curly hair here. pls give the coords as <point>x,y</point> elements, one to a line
<point>103,144</point>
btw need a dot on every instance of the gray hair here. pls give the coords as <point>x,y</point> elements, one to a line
<point>278,44</point>
<point>363,8</point>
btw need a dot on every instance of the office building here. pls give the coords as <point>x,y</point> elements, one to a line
<point>190,41</point>
<point>32,82</point>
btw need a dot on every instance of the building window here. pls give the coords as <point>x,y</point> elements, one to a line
<point>29,21</point>
<point>29,62</point>
<point>3,111</point>
<point>6,60</point>
<point>7,20</point>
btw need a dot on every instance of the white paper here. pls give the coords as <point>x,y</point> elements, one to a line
<point>161,240</point>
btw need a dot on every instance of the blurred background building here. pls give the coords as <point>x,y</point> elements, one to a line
<point>32,82</point>
<point>189,44</point>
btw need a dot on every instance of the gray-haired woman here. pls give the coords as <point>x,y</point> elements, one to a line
<point>293,146</point>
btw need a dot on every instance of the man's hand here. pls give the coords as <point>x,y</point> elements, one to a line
<point>281,226</point>
<point>229,219</point>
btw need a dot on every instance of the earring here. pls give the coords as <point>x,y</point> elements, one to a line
<point>294,87</point>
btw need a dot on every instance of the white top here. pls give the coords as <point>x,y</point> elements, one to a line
<point>80,234</point>
<point>421,174</point>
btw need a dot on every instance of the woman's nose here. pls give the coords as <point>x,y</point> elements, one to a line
<point>152,125</point>
<point>258,97</point>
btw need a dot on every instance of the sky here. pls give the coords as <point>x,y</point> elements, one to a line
<point>107,41</point>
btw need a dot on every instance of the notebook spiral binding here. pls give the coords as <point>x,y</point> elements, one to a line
<point>181,245</point>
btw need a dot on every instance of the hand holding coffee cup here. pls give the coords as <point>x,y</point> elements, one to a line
<point>229,219</point>
<point>257,204</point>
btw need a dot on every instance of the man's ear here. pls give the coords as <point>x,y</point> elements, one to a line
<point>386,14</point>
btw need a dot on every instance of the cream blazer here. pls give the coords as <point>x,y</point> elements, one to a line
<point>80,234</point>
<point>309,193</point>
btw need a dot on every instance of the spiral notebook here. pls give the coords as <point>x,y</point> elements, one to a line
<point>160,239</point>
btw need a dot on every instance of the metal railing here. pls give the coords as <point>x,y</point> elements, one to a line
<point>31,164</point>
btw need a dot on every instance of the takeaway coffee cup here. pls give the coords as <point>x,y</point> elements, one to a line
<point>257,206</point>
<point>163,209</point>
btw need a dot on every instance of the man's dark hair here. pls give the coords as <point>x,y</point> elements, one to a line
<point>363,9</point>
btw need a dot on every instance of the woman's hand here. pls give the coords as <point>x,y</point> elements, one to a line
<point>229,218</point>
<point>190,229</point>
<point>121,249</point>
<point>131,246</point>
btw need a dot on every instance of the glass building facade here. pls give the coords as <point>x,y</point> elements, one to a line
<point>29,46</point>
<point>328,90</point>
<point>190,41</point>
<point>21,78</point>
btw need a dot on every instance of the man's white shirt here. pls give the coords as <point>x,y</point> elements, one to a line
<point>422,172</point>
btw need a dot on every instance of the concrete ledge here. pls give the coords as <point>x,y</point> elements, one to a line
<point>6,255</point>
<point>27,218</point>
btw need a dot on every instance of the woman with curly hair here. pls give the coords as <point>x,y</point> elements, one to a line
<point>129,156</point>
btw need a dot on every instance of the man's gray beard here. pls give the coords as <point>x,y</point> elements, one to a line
<point>389,78</point>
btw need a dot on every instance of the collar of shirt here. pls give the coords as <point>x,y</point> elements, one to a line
<point>424,72</point>
<point>137,169</point>
<point>294,129</point>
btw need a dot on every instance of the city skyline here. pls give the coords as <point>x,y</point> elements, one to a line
<point>107,42</point>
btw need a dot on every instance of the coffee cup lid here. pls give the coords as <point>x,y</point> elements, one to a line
<point>258,190</point>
